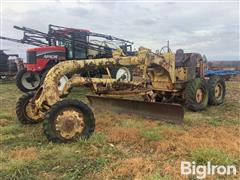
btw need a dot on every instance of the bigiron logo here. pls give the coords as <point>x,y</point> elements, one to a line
<point>202,171</point>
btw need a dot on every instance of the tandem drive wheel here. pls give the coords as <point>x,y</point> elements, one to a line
<point>24,110</point>
<point>196,94</point>
<point>68,120</point>
<point>217,89</point>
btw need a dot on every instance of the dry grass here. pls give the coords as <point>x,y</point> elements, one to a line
<point>118,135</point>
<point>136,167</point>
<point>122,147</point>
<point>47,176</point>
<point>4,122</point>
<point>29,153</point>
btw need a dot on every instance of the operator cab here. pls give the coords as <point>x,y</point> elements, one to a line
<point>192,61</point>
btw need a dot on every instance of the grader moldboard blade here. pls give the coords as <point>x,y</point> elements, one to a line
<point>173,113</point>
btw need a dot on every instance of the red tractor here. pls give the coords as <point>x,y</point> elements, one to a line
<point>39,61</point>
<point>59,44</point>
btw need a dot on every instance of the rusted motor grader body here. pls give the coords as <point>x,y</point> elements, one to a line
<point>156,78</point>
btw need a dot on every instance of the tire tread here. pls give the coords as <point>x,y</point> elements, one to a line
<point>48,122</point>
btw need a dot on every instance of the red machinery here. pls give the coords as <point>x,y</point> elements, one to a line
<point>61,43</point>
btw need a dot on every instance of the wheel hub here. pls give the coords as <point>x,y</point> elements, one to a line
<point>123,74</point>
<point>69,123</point>
<point>30,80</point>
<point>218,90</point>
<point>199,95</point>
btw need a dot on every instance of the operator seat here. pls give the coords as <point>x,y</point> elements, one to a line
<point>179,58</point>
<point>187,60</point>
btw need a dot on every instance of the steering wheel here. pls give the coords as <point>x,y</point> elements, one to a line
<point>165,49</point>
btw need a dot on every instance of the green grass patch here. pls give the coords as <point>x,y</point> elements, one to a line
<point>193,118</point>
<point>215,156</point>
<point>22,135</point>
<point>131,123</point>
<point>18,170</point>
<point>79,93</point>
<point>12,141</point>
<point>67,161</point>
<point>84,167</point>
<point>157,176</point>
<point>8,116</point>
<point>11,129</point>
<point>97,138</point>
<point>113,151</point>
<point>152,135</point>
<point>214,122</point>
<point>229,106</point>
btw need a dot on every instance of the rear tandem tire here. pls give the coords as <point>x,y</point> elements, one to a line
<point>217,90</point>
<point>21,110</point>
<point>196,94</point>
<point>68,120</point>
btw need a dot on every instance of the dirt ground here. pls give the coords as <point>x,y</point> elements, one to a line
<point>122,147</point>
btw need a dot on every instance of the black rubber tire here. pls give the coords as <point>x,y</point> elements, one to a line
<point>190,94</point>
<point>212,83</point>
<point>43,77</point>
<point>21,109</point>
<point>50,117</point>
<point>19,81</point>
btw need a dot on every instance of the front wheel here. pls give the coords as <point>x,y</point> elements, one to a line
<point>68,120</point>
<point>196,94</point>
<point>217,89</point>
<point>28,81</point>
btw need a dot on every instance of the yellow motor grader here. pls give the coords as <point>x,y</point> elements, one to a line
<point>160,79</point>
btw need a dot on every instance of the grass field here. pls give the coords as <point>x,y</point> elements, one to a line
<point>122,147</point>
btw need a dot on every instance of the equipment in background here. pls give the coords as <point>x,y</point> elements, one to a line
<point>225,69</point>
<point>60,44</point>
<point>224,65</point>
<point>10,64</point>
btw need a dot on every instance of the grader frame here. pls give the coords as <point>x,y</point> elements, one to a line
<point>48,94</point>
<point>159,77</point>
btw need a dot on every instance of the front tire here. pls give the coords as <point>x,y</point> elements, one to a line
<point>27,81</point>
<point>68,120</point>
<point>217,90</point>
<point>196,94</point>
<point>23,110</point>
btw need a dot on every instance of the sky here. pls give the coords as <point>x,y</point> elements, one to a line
<point>208,27</point>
